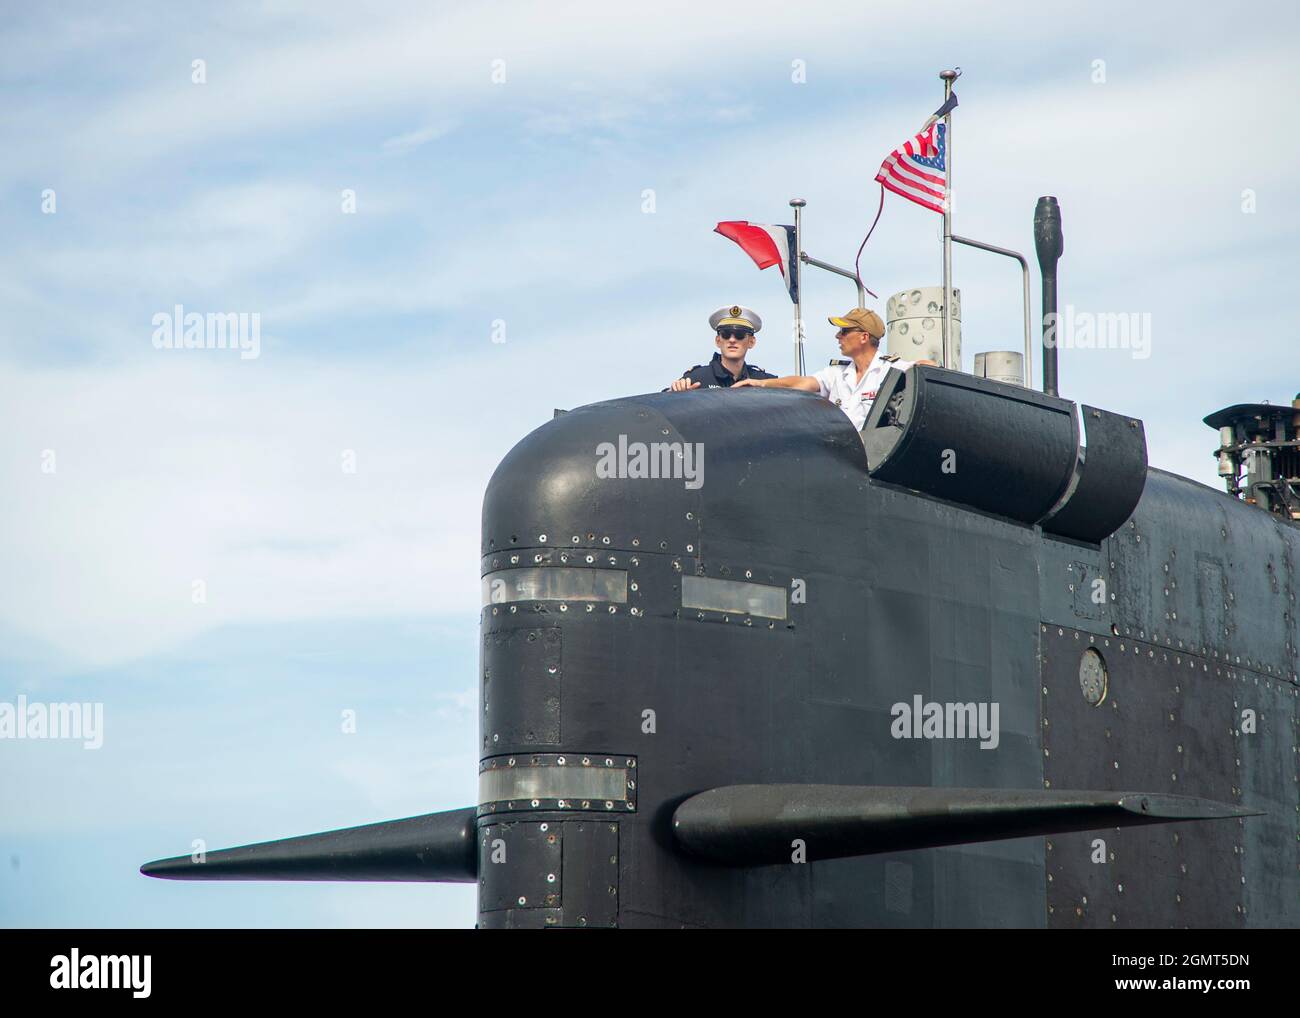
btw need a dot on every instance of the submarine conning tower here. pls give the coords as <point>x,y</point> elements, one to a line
<point>603,530</point>
<point>645,565</point>
<point>645,618</point>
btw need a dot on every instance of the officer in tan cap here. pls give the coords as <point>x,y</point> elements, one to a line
<point>851,386</point>
<point>734,327</point>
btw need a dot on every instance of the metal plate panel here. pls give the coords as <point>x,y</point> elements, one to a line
<point>558,781</point>
<point>591,866</point>
<point>548,873</point>
<point>1165,726</point>
<point>526,665</point>
<point>1269,777</point>
<point>519,866</point>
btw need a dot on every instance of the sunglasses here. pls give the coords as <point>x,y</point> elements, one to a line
<point>728,333</point>
<point>845,332</point>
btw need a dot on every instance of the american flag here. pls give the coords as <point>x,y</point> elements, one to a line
<point>916,170</point>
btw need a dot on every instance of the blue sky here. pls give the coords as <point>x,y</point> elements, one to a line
<point>481,201</point>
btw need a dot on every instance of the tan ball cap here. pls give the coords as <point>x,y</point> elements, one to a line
<point>860,318</point>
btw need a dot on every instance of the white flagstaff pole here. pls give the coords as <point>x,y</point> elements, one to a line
<point>948,353</point>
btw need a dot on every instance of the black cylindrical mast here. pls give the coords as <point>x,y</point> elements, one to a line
<point>1049,243</point>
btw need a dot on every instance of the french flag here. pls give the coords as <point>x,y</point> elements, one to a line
<point>767,245</point>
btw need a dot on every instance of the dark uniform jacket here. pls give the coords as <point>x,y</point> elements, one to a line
<point>714,375</point>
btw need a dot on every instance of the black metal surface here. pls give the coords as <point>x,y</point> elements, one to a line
<point>1195,569</point>
<point>1110,479</point>
<point>526,664</point>
<point>905,595</point>
<point>995,447</point>
<point>548,871</point>
<point>547,484</point>
<point>1171,721</point>
<point>900,595</point>
<point>1049,243</point>
<point>435,847</point>
<point>939,601</point>
<point>591,868</point>
<point>520,866</point>
<point>747,825</point>
<point>1203,587</point>
<point>1257,411</point>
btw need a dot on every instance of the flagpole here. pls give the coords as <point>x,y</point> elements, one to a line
<point>948,354</point>
<point>797,204</point>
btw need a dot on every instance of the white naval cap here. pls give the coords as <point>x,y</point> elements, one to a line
<point>736,315</point>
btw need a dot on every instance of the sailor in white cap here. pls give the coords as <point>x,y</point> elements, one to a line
<point>734,327</point>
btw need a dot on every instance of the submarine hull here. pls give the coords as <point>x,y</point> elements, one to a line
<point>766,608</point>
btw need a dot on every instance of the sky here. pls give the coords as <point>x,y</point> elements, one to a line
<point>451,219</point>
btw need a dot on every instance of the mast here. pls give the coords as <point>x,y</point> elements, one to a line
<point>797,204</point>
<point>948,78</point>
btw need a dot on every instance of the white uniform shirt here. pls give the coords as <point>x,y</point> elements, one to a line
<point>840,385</point>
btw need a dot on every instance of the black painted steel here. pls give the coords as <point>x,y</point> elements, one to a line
<point>548,871</point>
<point>1049,242</point>
<point>1171,721</point>
<point>905,595</point>
<point>1265,413</point>
<point>434,847</point>
<point>705,699</point>
<point>1111,476</point>
<point>993,446</point>
<point>892,595</point>
<point>746,825</point>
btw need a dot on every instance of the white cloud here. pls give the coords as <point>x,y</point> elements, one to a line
<point>188,468</point>
<point>411,140</point>
<point>338,64</point>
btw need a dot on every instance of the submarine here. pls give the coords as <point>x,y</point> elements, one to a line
<point>979,665</point>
